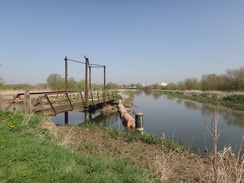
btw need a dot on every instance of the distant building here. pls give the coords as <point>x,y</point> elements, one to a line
<point>163,84</point>
<point>160,84</point>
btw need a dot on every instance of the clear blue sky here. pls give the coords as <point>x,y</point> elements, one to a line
<point>138,40</point>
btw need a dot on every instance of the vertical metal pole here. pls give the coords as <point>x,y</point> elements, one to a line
<point>66,74</point>
<point>66,118</point>
<point>104,77</point>
<point>104,84</point>
<point>90,78</point>
<point>86,83</point>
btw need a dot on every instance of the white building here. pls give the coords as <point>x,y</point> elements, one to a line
<point>160,84</point>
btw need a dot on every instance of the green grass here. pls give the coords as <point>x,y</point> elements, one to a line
<point>232,101</point>
<point>28,153</point>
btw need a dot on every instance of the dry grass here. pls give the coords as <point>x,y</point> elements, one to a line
<point>225,166</point>
<point>14,92</point>
<point>161,165</point>
<point>66,139</point>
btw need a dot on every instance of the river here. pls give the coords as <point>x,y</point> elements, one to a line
<point>177,118</point>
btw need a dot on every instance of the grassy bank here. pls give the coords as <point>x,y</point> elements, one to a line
<point>35,150</point>
<point>231,101</point>
<point>29,153</point>
<point>127,95</point>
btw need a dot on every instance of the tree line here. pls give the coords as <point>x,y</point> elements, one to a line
<point>232,80</point>
<point>56,82</point>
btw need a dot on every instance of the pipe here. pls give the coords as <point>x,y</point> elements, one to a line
<point>126,117</point>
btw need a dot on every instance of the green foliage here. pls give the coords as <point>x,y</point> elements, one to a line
<point>55,81</point>
<point>235,98</point>
<point>233,80</point>
<point>111,85</point>
<point>234,101</point>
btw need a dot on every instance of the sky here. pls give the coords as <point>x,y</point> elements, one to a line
<point>139,41</point>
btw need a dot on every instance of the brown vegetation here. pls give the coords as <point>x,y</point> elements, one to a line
<point>168,165</point>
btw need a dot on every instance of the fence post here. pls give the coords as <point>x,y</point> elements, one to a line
<point>42,103</point>
<point>27,102</point>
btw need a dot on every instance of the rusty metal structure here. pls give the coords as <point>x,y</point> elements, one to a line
<point>87,77</point>
<point>62,101</point>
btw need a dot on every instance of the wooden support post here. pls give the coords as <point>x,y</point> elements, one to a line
<point>69,101</point>
<point>42,104</point>
<point>50,103</point>
<point>27,101</point>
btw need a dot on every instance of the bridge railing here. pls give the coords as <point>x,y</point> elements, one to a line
<point>59,101</point>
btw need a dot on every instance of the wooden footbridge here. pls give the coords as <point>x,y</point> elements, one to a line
<point>62,101</point>
<point>52,103</point>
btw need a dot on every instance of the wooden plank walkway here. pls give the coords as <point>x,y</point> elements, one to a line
<point>61,101</point>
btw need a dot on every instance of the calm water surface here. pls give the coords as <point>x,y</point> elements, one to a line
<point>176,118</point>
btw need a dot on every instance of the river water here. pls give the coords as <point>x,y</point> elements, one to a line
<point>177,118</point>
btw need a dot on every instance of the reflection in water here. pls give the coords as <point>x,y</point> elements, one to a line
<point>156,95</point>
<point>77,118</point>
<point>191,105</point>
<point>189,120</point>
<point>177,118</point>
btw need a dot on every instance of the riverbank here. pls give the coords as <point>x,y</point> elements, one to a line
<point>31,153</point>
<point>33,149</point>
<point>233,101</point>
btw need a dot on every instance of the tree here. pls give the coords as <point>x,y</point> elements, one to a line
<point>55,81</point>
<point>111,85</point>
<point>81,84</point>
<point>191,83</point>
<point>72,84</point>
<point>236,78</point>
<point>209,82</point>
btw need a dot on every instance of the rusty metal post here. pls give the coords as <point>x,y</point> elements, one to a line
<point>90,78</point>
<point>66,73</point>
<point>104,77</point>
<point>86,83</point>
